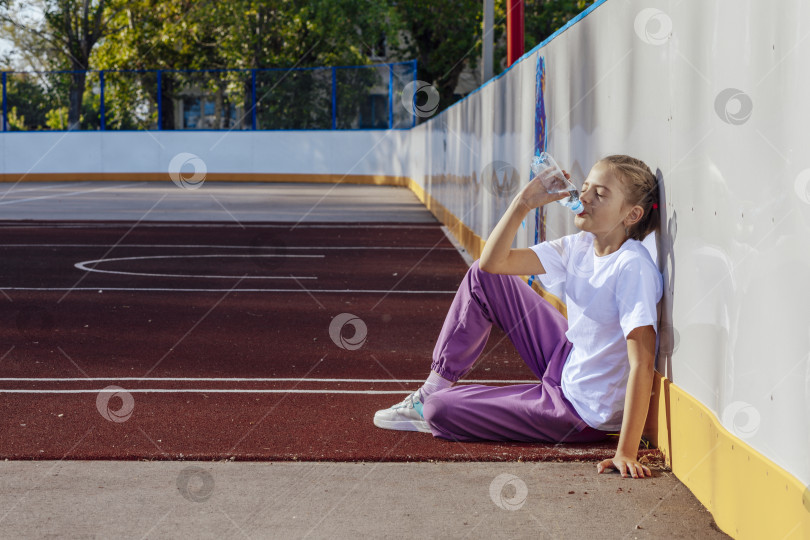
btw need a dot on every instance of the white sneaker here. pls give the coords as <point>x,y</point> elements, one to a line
<point>404,416</point>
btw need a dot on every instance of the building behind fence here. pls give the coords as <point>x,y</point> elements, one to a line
<point>337,97</point>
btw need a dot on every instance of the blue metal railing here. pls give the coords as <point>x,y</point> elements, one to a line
<point>334,97</point>
<point>5,104</point>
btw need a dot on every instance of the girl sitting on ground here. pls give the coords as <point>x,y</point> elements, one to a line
<point>596,367</point>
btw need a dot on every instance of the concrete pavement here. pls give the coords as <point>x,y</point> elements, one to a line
<point>97,499</point>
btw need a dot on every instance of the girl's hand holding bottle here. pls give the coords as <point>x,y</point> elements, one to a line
<point>535,194</point>
<point>549,183</point>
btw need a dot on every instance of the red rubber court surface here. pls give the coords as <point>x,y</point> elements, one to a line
<point>212,341</point>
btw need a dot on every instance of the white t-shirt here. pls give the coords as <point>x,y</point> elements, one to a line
<point>606,297</point>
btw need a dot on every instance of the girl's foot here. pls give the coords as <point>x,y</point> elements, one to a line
<point>404,416</point>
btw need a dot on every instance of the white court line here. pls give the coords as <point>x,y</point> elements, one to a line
<point>15,201</point>
<point>243,379</point>
<point>229,390</point>
<point>222,225</point>
<point>51,187</point>
<point>164,289</point>
<point>201,246</point>
<point>208,391</point>
<point>83,266</point>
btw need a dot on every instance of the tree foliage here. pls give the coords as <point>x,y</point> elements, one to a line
<point>541,18</point>
<point>181,35</point>
<point>246,34</point>
<point>444,37</point>
<point>68,31</point>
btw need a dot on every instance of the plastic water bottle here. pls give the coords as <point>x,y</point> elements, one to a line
<point>572,202</point>
<point>556,182</point>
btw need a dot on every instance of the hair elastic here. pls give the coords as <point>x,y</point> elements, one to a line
<point>655,205</point>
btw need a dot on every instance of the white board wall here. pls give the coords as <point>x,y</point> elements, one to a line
<point>235,152</point>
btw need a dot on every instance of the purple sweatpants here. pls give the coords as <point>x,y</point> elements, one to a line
<point>521,412</point>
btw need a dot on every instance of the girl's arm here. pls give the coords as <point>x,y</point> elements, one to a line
<point>641,351</point>
<point>498,257</point>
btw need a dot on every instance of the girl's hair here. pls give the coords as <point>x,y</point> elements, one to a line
<point>641,188</point>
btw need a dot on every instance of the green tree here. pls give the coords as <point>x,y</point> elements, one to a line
<point>28,102</point>
<point>444,37</point>
<point>541,18</point>
<point>276,33</point>
<point>22,24</point>
<point>69,29</point>
<point>155,34</point>
<point>246,34</point>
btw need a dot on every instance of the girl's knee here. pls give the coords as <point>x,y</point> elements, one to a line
<point>482,275</point>
<point>475,268</point>
<point>476,275</point>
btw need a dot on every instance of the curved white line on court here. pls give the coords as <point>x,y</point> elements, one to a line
<point>83,266</point>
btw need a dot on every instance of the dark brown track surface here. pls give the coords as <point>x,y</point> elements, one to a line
<point>113,326</point>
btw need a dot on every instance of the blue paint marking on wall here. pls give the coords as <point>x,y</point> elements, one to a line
<point>539,143</point>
